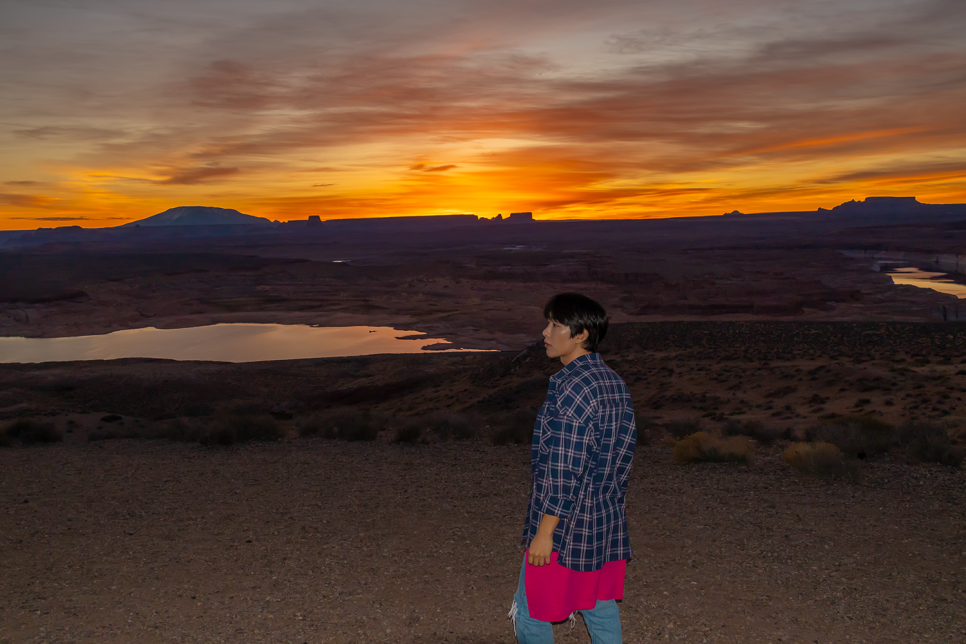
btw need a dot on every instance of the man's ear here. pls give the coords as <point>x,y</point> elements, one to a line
<point>581,338</point>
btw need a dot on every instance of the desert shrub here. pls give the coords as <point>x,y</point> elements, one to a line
<point>455,426</point>
<point>930,443</point>
<point>224,431</point>
<point>112,434</point>
<point>645,430</point>
<point>754,429</point>
<point>196,410</point>
<point>821,459</point>
<point>110,418</point>
<point>515,428</point>
<point>859,436</point>
<point>411,432</point>
<point>229,430</point>
<point>310,426</point>
<point>180,430</point>
<point>681,428</point>
<point>702,447</point>
<point>5,440</point>
<point>347,425</point>
<point>31,432</point>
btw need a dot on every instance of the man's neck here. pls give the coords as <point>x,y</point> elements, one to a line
<point>570,357</point>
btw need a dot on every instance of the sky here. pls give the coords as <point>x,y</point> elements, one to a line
<point>115,110</point>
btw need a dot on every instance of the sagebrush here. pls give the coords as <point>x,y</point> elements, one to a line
<point>856,436</point>
<point>30,432</point>
<point>703,447</point>
<point>821,459</point>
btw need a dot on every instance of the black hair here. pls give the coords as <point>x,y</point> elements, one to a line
<point>580,313</point>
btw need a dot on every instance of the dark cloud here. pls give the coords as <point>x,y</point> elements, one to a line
<point>193,176</point>
<point>23,183</point>
<point>59,218</point>
<point>74,133</point>
<point>928,171</point>
<point>26,201</point>
<point>322,185</point>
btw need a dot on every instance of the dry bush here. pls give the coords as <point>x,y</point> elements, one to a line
<point>439,426</point>
<point>30,432</point>
<point>453,426</point>
<point>409,433</point>
<point>645,430</point>
<point>754,429</point>
<point>821,459</point>
<point>112,434</point>
<point>931,443</point>
<point>224,431</point>
<point>514,428</point>
<point>346,425</point>
<point>683,427</point>
<point>702,447</point>
<point>859,436</point>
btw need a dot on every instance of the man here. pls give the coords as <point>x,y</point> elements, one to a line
<point>580,460</point>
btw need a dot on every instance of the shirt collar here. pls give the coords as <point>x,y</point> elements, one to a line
<point>576,363</point>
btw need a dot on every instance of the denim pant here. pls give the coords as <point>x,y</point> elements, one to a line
<point>603,620</point>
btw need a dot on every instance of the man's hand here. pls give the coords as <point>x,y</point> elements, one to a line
<point>542,545</point>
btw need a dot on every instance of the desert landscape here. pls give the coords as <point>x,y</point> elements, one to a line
<point>381,498</point>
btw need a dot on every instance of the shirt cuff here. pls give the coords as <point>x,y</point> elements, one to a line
<point>557,507</point>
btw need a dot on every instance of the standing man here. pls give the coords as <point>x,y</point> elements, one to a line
<point>580,461</point>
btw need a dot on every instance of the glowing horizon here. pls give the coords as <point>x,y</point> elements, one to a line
<point>623,109</point>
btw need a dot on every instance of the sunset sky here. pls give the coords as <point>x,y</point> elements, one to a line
<point>114,110</point>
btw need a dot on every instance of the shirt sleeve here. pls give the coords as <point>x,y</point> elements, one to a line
<point>570,445</point>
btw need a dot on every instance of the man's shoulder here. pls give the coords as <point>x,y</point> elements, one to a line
<point>593,376</point>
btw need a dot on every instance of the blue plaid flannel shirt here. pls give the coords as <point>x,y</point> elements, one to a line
<point>580,462</point>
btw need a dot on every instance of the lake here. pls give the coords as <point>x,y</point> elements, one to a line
<point>924,279</point>
<point>221,342</point>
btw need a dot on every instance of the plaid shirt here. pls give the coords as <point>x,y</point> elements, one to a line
<point>580,461</point>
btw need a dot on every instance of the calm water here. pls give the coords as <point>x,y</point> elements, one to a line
<point>925,279</point>
<point>222,342</point>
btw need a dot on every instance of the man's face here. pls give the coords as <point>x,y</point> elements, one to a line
<point>559,343</point>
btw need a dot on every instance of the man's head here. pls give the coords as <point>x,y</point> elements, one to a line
<point>580,314</point>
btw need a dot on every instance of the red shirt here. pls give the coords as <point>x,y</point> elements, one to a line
<point>554,592</point>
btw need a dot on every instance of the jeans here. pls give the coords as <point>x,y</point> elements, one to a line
<point>603,620</point>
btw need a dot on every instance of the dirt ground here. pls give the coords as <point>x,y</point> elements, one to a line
<point>327,541</point>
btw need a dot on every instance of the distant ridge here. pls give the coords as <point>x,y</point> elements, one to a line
<point>872,211</point>
<point>199,216</point>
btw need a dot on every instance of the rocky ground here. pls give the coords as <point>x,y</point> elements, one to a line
<point>327,541</point>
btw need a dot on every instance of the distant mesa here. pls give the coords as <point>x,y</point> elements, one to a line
<point>880,206</point>
<point>733,213</point>
<point>199,216</point>
<point>520,218</point>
